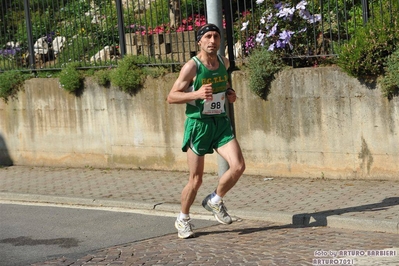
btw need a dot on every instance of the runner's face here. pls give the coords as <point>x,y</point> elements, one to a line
<point>210,42</point>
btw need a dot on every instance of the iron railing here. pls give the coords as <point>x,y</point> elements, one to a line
<point>47,34</point>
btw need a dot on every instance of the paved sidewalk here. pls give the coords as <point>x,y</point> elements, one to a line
<point>370,205</point>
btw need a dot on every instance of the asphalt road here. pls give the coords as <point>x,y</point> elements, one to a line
<point>30,233</point>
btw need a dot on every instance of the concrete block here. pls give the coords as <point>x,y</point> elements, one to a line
<point>158,38</point>
<point>184,47</point>
<point>184,36</point>
<point>132,50</point>
<point>162,49</point>
<point>144,39</point>
<point>130,39</point>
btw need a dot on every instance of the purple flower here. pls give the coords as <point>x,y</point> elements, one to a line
<point>286,35</point>
<point>286,13</point>
<point>8,52</point>
<point>249,44</point>
<point>275,25</point>
<point>303,13</point>
<point>280,44</point>
<point>278,5</point>
<point>273,30</point>
<point>244,25</point>
<point>269,17</point>
<point>259,38</point>
<point>271,47</point>
<point>314,18</point>
<point>302,5</point>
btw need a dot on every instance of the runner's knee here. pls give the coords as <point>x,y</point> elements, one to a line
<point>195,183</point>
<point>238,169</point>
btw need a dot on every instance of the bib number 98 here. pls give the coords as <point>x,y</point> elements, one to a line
<point>215,105</point>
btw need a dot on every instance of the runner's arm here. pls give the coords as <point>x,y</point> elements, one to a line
<point>231,94</point>
<point>179,93</point>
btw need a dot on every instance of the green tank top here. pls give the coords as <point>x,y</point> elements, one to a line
<point>219,78</point>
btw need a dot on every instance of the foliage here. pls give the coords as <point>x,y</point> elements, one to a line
<point>341,19</point>
<point>155,71</point>
<point>70,78</point>
<point>390,81</point>
<point>105,31</point>
<point>365,54</point>
<point>157,15</point>
<point>10,82</point>
<point>284,29</point>
<point>74,9</point>
<point>76,50</point>
<point>263,65</point>
<point>47,74</point>
<point>102,77</point>
<point>128,76</point>
<point>9,55</point>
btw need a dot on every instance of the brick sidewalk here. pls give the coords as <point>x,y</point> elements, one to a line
<point>368,204</point>
<point>247,243</point>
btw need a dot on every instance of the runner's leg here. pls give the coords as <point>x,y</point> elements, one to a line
<point>232,153</point>
<point>196,169</point>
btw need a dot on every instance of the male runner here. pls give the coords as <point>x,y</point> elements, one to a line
<point>203,86</point>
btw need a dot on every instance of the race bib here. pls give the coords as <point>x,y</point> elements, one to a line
<point>216,106</point>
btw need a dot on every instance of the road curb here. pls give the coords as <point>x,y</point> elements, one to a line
<point>308,220</point>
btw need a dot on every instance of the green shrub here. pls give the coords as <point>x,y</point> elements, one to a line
<point>129,76</point>
<point>47,74</point>
<point>77,49</point>
<point>390,81</point>
<point>364,56</point>
<point>262,66</point>
<point>102,77</point>
<point>70,78</point>
<point>10,82</point>
<point>155,71</point>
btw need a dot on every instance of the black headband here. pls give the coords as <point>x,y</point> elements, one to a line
<point>205,29</point>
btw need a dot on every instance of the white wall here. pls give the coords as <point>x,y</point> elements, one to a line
<point>317,122</point>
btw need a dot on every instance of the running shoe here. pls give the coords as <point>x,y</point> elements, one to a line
<point>218,210</point>
<point>184,228</point>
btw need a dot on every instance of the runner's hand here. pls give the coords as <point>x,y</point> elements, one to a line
<point>231,96</point>
<point>206,92</point>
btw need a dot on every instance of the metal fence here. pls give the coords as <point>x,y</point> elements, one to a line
<point>47,34</point>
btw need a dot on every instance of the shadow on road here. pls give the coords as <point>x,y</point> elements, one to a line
<point>320,218</point>
<point>250,230</point>
<point>310,219</point>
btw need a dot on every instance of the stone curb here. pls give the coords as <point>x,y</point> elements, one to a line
<point>308,220</point>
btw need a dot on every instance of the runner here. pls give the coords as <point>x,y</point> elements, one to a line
<point>203,86</point>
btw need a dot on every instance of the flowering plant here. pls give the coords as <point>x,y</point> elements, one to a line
<point>188,24</point>
<point>283,28</point>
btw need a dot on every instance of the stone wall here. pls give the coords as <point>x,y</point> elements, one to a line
<point>317,122</point>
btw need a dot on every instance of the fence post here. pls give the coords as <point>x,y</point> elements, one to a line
<point>214,14</point>
<point>121,28</point>
<point>229,32</point>
<point>32,63</point>
<point>228,16</point>
<point>365,9</point>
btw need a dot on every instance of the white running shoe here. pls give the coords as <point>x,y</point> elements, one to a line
<point>218,210</point>
<point>184,228</point>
